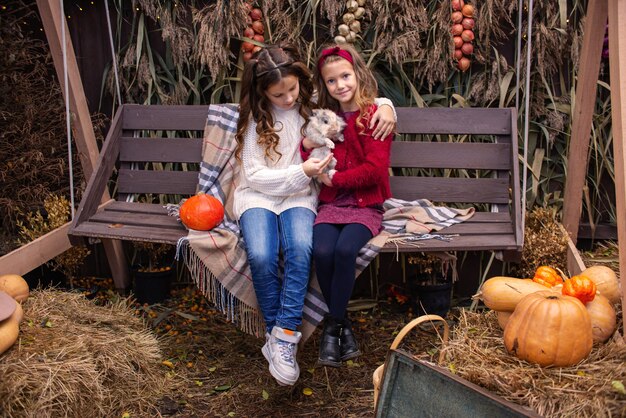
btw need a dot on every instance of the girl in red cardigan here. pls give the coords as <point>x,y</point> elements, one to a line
<point>350,201</point>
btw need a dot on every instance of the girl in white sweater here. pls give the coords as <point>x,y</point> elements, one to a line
<point>276,200</point>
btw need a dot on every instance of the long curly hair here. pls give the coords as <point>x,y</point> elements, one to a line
<point>367,88</point>
<point>266,68</point>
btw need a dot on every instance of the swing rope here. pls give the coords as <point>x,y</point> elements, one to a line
<point>115,72</point>
<point>68,125</point>
<point>129,198</point>
<point>529,41</point>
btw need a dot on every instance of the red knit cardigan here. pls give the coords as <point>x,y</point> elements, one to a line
<point>362,165</point>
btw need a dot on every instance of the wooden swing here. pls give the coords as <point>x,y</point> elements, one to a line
<point>138,141</point>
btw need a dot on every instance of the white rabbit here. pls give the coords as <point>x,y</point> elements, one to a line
<point>324,128</point>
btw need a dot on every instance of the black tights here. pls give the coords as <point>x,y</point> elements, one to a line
<point>335,249</point>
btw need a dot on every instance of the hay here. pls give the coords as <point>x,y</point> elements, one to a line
<point>74,358</point>
<point>476,352</point>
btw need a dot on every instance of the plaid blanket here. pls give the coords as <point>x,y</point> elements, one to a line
<point>217,258</point>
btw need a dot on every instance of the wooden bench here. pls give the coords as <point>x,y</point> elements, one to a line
<point>155,152</point>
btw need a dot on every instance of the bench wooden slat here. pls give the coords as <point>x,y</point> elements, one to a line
<point>130,232</point>
<point>179,150</point>
<point>450,190</point>
<point>489,217</point>
<point>443,120</point>
<point>171,117</point>
<point>451,155</point>
<point>461,243</point>
<point>136,218</point>
<point>136,207</point>
<point>157,181</point>
<point>480,228</point>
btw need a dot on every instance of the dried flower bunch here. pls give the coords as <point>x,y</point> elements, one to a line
<point>150,256</point>
<point>35,224</point>
<point>434,266</point>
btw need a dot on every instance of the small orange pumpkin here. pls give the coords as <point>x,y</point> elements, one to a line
<point>580,287</point>
<point>201,212</point>
<point>547,276</point>
<point>548,328</point>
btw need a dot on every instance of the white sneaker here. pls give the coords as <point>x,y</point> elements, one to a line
<point>280,352</point>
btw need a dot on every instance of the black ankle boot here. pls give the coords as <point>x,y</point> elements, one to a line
<point>348,347</point>
<point>329,343</point>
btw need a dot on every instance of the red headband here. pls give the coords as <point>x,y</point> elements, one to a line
<point>334,51</point>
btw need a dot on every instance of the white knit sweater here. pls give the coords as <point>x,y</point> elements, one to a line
<point>272,183</point>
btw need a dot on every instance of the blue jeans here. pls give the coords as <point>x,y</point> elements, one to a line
<point>266,235</point>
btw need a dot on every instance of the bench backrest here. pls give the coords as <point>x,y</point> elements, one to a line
<point>160,148</point>
<point>448,155</point>
<point>458,155</point>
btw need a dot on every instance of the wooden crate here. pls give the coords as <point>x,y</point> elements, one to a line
<point>414,388</point>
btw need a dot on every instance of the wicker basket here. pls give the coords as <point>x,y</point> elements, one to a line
<point>380,371</point>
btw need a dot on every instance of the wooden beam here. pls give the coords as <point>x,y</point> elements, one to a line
<point>575,263</point>
<point>35,253</point>
<point>84,137</point>
<point>617,62</point>
<point>584,103</point>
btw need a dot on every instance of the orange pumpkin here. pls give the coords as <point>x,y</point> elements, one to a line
<point>201,212</point>
<point>547,276</point>
<point>603,318</point>
<point>580,287</point>
<point>547,328</point>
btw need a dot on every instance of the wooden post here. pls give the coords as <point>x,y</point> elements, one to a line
<point>617,62</point>
<point>586,87</point>
<point>84,136</point>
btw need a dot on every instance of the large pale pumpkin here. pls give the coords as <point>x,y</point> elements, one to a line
<point>549,329</point>
<point>18,315</point>
<point>503,293</point>
<point>201,212</point>
<point>9,330</point>
<point>503,318</point>
<point>603,318</point>
<point>7,305</point>
<point>606,281</point>
<point>15,286</point>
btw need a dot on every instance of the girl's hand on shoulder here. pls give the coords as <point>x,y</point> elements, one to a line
<point>314,166</point>
<point>384,121</point>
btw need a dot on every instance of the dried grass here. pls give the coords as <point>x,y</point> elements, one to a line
<point>477,353</point>
<point>217,24</point>
<point>74,358</point>
<point>545,243</point>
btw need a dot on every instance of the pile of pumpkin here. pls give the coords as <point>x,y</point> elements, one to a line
<point>254,32</point>
<point>462,33</point>
<point>552,320</point>
<point>13,291</point>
